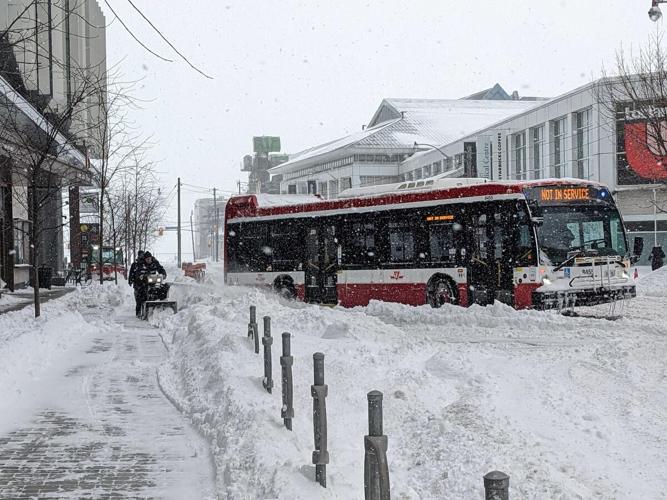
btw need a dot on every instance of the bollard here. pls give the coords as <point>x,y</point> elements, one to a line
<point>319,392</point>
<point>252,325</point>
<point>376,468</point>
<point>256,334</point>
<point>496,486</point>
<point>267,341</point>
<point>286,361</point>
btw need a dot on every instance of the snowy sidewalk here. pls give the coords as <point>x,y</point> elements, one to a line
<point>96,424</point>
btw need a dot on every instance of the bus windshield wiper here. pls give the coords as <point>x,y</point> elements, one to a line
<point>567,261</point>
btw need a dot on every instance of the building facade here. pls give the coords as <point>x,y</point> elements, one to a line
<point>50,50</point>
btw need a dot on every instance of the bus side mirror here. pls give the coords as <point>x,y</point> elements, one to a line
<point>638,248</point>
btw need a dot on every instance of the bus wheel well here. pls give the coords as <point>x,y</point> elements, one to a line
<point>441,289</point>
<point>283,285</point>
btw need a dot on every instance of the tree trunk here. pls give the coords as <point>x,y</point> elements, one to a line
<point>34,232</point>
<point>101,242</point>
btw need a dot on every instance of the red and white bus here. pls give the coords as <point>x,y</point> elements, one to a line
<point>542,244</point>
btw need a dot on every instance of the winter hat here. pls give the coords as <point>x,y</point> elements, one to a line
<point>147,254</point>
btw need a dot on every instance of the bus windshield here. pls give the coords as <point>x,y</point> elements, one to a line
<point>568,229</point>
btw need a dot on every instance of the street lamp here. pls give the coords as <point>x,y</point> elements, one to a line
<point>654,13</point>
<point>416,144</point>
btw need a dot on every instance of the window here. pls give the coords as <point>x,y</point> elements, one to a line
<point>291,189</point>
<point>582,122</point>
<point>285,255</point>
<point>519,155</point>
<point>449,163</point>
<point>437,168</point>
<point>558,130</point>
<point>312,187</point>
<point>345,183</point>
<point>427,171</point>
<point>417,173</point>
<point>536,152</point>
<point>441,242</point>
<point>458,161</point>
<point>322,189</point>
<point>333,189</point>
<point>21,241</point>
<point>401,242</point>
<point>359,247</point>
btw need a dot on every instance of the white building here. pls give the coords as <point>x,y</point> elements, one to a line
<point>375,154</point>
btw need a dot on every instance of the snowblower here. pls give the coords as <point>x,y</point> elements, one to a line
<point>157,292</point>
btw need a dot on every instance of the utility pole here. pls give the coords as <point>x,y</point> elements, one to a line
<point>192,233</point>
<point>215,223</point>
<point>178,230</point>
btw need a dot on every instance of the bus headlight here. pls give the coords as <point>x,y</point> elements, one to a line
<point>546,281</point>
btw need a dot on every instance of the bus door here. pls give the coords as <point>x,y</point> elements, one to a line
<point>491,265</point>
<point>321,264</point>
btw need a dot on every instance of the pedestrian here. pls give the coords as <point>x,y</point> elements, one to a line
<point>132,280</point>
<point>657,257</point>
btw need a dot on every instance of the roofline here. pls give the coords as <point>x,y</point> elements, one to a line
<point>385,101</point>
<point>279,169</point>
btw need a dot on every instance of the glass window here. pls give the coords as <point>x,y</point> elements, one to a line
<point>537,150</point>
<point>437,168</point>
<point>582,121</point>
<point>441,242</point>
<point>519,155</point>
<point>401,242</point>
<point>558,131</point>
<point>359,247</point>
<point>570,229</point>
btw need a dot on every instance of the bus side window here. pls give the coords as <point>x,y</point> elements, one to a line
<point>441,242</point>
<point>359,244</point>
<point>401,242</point>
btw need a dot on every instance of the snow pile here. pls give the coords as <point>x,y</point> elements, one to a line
<point>568,407</point>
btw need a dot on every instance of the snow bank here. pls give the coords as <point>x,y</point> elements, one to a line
<point>569,407</point>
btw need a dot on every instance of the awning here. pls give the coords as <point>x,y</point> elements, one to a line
<point>72,163</point>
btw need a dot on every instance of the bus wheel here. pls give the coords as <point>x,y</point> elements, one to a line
<point>441,291</point>
<point>285,288</point>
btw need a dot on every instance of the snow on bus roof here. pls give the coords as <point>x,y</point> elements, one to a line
<point>265,200</point>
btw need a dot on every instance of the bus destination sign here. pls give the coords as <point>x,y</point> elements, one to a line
<point>564,194</point>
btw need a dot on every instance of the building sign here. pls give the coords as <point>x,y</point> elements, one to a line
<point>640,139</point>
<point>484,159</point>
<point>499,156</point>
<point>564,194</point>
<point>89,202</point>
<point>470,159</point>
<point>265,144</point>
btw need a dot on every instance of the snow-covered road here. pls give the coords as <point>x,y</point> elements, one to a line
<point>85,416</point>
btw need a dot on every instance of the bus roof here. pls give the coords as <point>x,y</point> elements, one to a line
<point>412,193</point>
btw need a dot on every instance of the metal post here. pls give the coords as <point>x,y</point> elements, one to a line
<point>655,218</point>
<point>215,224</point>
<point>496,486</point>
<point>178,234</point>
<point>192,236</point>
<point>376,468</point>
<point>319,391</point>
<point>267,341</point>
<point>286,362</point>
<point>252,324</point>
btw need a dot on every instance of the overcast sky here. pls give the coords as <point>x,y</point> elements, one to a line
<point>311,71</point>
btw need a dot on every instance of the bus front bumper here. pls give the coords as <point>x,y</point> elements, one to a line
<point>582,296</point>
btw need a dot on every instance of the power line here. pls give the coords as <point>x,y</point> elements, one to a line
<point>134,36</point>
<point>168,42</point>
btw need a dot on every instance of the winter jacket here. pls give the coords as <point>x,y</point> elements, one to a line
<point>143,269</point>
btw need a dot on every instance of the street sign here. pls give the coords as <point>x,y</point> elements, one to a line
<point>265,144</point>
<point>89,202</point>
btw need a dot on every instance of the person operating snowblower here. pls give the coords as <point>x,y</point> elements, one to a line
<point>150,289</point>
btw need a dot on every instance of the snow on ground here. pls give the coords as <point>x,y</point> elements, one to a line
<point>569,407</point>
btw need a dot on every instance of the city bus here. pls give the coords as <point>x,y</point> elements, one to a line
<point>530,244</point>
